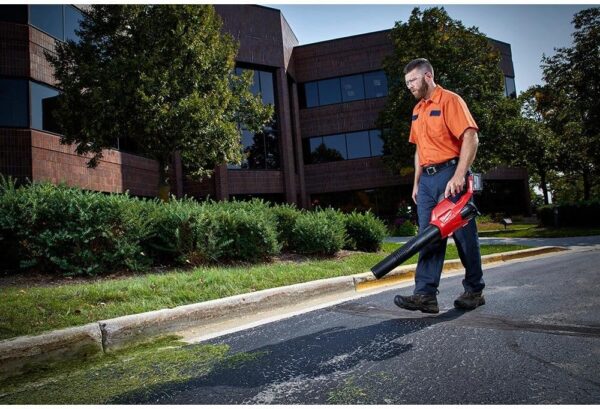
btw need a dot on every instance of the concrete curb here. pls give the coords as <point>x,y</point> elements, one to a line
<point>122,331</point>
<point>18,355</point>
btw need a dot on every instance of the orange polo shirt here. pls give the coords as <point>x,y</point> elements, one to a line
<point>437,126</point>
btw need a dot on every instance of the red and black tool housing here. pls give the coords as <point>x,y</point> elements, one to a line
<point>446,218</point>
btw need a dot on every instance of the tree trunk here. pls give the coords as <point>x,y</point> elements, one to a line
<point>164,188</point>
<point>544,186</point>
<point>587,186</point>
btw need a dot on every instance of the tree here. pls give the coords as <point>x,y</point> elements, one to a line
<point>535,146</point>
<point>571,101</point>
<point>464,61</point>
<point>161,76</point>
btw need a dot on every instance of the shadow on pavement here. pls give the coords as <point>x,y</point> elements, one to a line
<point>306,357</point>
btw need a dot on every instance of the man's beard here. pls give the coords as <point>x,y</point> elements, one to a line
<point>423,90</point>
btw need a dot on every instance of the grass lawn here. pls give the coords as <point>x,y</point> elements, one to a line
<point>532,231</point>
<point>27,310</point>
<point>482,227</point>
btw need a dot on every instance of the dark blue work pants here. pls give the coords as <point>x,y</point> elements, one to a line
<point>431,258</point>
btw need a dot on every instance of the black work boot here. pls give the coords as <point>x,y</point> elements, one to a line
<point>421,302</point>
<point>469,300</point>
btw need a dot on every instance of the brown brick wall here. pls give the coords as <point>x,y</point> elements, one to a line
<point>350,175</point>
<point>343,56</point>
<point>257,181</point>
<point>15,153</point>
<point>14,50</point>
<point>40,68</point>
<point>200,189</point>
<point>340,118</point>
<point>116,172</point>
<point>258,30</point>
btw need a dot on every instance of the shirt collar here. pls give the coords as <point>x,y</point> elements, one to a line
<point>435,97</point>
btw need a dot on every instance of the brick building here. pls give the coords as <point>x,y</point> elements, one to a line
<point>323,146</point>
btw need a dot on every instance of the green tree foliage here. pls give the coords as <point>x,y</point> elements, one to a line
<point>323,154</point>
<point>161,76</point>
<point>465,62</point>
<point>571,101</point>
<point>533,143</point>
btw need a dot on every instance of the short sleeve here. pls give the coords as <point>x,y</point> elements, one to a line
<point>413,131</point>
<point>458,118</point>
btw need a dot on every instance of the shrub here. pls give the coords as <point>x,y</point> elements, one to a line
<point>171,234</point>
<point>68,230</point>
<point>11,251</point>
<point>285,218</point>
<point>485,218</point>
<point>319,232</point>
<point>405,229</point>
<point>365,232</point>
<point>579,214</point>
<point>232,232</point>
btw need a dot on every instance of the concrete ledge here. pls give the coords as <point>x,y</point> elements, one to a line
<point>19,355</point>
<point>511,255</point>
<point>122,331</point>
<point>366,281</point>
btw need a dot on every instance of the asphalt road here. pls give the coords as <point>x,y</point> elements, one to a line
<point>537,340</point>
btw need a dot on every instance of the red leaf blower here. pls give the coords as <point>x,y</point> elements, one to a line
<point>446,218</point>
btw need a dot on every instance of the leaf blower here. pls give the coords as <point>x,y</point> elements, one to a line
<point>446,218</point>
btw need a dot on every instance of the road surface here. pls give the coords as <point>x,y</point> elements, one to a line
<point>537,340</point>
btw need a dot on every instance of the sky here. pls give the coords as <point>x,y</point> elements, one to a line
<point>531,30</point>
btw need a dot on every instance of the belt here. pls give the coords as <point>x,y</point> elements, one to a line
<point>435,168</point>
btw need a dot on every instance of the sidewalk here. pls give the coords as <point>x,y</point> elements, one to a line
<point>18,355</point>
<point>535,242</point>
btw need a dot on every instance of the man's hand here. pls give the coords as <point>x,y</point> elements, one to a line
<point>455,185</point>
<point>415,191</point>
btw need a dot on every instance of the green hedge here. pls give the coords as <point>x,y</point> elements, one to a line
<point>407,228</point>
<point>321,232</point>
<point>231,232</point>
<point>579,214</point>
<point>70,231</point>
<point>365,232</point>
<point>171,237</point>
<point>285,220</point>
<point>57,228</point>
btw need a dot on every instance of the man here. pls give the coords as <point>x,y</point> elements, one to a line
<point>446,138</point>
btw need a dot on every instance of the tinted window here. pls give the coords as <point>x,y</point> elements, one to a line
<point>352,88</point>
<point>376,142</point>
<point>375,84</point>
<point>255,87</point>
<point>509,87</point>
<point>15,14</point>
<point>315,143</point>
<point>336,143</point>
<point>255,152</point>
<point>319,153</point>
<point>272,150</point>
<point>13,103</point>
<point>329,91</point>
<point>311,94</point>
<point>73,18</point>
<point>247,141</point>
<point>266,87</point>
<point>43,103</point>
<point>48,18</point>
<point>358,145</point>
<point>261,150</point>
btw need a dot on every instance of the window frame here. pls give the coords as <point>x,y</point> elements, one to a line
<point>303,94</point>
